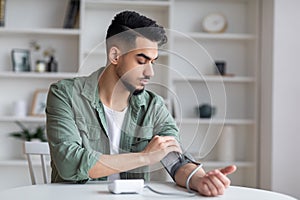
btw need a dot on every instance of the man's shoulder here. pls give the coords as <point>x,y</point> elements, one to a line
<point>78,81</point>
<point>63,84</point>
<point>67,86</point>
<point>69,83</point>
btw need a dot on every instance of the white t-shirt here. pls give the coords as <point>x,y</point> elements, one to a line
<point>114,121</point>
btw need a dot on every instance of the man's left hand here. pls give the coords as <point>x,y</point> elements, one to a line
<point>213,183</point>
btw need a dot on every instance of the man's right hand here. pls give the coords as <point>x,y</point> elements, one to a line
<point>156,150</point>
<point>160,146</point>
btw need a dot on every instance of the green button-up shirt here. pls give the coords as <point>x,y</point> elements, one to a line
<point>77,128</point>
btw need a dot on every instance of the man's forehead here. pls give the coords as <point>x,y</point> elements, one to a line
<point>145,48</point>
<point>144,43</point>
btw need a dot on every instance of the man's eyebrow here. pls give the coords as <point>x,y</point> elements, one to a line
<point>145,56</point>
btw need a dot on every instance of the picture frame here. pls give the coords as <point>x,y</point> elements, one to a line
<point>39,103</point>
<point>20,60</point>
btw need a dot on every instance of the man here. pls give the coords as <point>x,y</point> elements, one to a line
<point>107,126</point>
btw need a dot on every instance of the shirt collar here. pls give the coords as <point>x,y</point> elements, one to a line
<point>139,100</point>
<point>91,91</point>
<point>90,87</point>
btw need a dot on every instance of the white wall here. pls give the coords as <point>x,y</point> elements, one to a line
<point>284,123</point>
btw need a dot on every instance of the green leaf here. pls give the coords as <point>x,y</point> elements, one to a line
<point>28,135</point>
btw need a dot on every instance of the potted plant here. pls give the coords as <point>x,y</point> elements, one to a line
<point>29,135</point>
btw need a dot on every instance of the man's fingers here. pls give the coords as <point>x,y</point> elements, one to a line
<point>223,178</point>
<point>163,138</point>
<point>219,185</point>
<point>163,142</point>
<point>160,146</point>
<point>169,146</point>
<point>211,188</point>
<point>206,190</point>
<point>228,170</point>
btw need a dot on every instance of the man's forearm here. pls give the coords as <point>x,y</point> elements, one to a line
<point>157,149</point>
<point>112,164</point>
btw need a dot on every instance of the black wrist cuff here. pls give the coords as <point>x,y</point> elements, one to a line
<point>173,161</point>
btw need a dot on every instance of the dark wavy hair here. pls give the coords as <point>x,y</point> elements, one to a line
<point>128,25</point>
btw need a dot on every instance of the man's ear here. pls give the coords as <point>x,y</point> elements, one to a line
<point>114,54</point>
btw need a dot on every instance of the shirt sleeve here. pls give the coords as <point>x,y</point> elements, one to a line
<point>165,124</point>
<point>71,161</point>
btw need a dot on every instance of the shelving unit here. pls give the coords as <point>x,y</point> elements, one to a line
<point>195,82</point>
<point>184,75</point>
<point>28,21</point>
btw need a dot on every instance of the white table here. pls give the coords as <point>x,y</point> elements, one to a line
<point>99,191</point>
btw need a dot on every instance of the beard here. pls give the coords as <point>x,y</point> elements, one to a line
<point>138,92</point>
<point>131,88</point>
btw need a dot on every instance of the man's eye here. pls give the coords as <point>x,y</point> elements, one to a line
<point>141,62</point>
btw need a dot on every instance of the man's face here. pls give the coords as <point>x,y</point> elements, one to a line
<point>135,68</point>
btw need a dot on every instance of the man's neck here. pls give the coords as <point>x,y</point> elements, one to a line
<point>112,92</point>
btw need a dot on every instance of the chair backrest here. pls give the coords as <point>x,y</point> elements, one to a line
<point>41,149</point>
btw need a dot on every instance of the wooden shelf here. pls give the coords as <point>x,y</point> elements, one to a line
<point>41,31</point>
<point>218,36</point>
<point>45,75</point>
<point>22,119</point>
<point>158,4</point>
<point>216,78</point>
<point>21,162</point>
<point>218,164</point>
<point>195,121</point>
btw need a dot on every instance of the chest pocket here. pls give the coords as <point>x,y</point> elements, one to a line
<point>93,137</point>
<point>141,138</point>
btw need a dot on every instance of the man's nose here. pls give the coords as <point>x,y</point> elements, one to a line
<point>148,71</point>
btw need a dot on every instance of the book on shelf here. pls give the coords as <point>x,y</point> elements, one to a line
<point>72,13</point>
<point>2,12</point>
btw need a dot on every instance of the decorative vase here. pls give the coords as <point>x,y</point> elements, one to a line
<point>20,108</point>
<point>207,111</point>
<point>52,65</point>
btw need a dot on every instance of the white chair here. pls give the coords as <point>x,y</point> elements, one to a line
<point>37,148</point>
